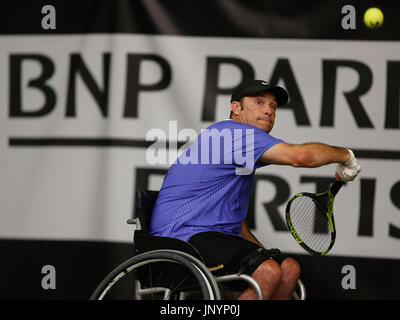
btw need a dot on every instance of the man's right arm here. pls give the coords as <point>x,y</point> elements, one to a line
<point>308,155</point>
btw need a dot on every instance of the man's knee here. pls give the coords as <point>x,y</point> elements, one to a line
<point>290,267</point>
<point>269,270</point>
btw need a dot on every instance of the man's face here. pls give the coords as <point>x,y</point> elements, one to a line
<point>257,110</point>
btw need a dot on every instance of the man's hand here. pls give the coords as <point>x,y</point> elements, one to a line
<point>349,170</point>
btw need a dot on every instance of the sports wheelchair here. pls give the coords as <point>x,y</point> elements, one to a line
<point>169,269</point>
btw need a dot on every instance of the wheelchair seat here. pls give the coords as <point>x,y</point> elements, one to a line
<point>145,243</point>
<point>167,268</point>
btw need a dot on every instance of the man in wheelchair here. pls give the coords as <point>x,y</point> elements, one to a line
<point>205,195</point>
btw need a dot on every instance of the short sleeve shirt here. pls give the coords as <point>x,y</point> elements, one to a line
<point>208,187</point>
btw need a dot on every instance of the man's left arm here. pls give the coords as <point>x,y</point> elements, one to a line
<point>245,233</point>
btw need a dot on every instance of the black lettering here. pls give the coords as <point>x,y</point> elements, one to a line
<point>133,87</point>
<point>211,85</point>
<point>283,71</point>
<point>321,183</point>
<point>15,94</point>
<point>101,96</point>
<point>367,200</point>
<point>392,117</point>
<point>395,197</point>
<point>329,69</point>
<point>281,196</point>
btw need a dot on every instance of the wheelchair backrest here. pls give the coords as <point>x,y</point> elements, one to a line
<point>144,203</point>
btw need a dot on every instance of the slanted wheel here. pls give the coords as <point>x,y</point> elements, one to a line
<point>159,274</point>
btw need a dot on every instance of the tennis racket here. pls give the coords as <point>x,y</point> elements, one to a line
<point>309,217</point>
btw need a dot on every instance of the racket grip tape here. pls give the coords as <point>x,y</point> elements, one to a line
<point>336,187</point>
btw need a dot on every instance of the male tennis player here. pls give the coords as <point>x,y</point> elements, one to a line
<point>205,195</point>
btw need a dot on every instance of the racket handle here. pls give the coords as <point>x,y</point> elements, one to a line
<point>336,187</point>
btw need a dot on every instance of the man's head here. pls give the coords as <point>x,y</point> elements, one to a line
<point>254,102</point>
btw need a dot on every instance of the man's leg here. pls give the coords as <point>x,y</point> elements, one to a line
<point>276,282</point>
<point>268,275</point>
<point>290,274</point>
<point>236,254</point>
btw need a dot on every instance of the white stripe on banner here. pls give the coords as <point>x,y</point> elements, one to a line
<point>75,112</point>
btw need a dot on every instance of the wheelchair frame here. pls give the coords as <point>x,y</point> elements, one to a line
<point>175,252</point>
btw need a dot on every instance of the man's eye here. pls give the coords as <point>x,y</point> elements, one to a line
<point>258,102</point>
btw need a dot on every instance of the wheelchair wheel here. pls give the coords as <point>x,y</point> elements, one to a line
<point>159,274</point>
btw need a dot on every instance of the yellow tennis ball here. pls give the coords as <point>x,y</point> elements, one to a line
<point>373,18</point>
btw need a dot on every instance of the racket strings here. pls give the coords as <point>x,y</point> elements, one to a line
<point>308,217</point>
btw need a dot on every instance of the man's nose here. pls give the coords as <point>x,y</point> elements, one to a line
<point>268,110</point>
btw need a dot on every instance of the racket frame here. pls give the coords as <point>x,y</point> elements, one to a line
<point>330,195</point>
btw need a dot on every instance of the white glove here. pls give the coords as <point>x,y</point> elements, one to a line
<point>349,170</point>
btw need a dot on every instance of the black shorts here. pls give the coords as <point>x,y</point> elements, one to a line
<point>227,254</point>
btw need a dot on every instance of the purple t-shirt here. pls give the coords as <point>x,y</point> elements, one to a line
<point>208,187</point>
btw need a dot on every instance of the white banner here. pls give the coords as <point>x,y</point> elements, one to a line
<point>75,111</point>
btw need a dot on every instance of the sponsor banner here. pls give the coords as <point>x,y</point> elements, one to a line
<point>77,110</point>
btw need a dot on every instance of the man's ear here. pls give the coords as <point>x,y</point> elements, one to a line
<point>235,106</point>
